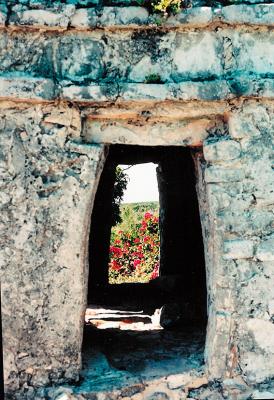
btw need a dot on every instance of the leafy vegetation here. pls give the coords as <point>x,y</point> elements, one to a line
<point>167,6</point>
<point>164,7</point>
<point>154,78</point>
<point>135,244</point>
<point>120,186</point>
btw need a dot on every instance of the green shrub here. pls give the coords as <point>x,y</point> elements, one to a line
<point>164,7</point>
<point>135,247</point>
<point>167,6</point>
<point>153,78</point>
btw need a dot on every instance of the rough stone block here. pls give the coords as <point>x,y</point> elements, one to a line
<point>259,14</point>
<point>265,250</point>
<point>182,91</point>
<point>144,91</point>
<point>191,16</point>
<point>124,16</point>
<point>201,58</point>
<point>263,334</point>
<point>89,93</point>
<point>252,51</point>
<point>43,18</point>
<point>27,88</point>
<point>80,58</point>
<point>83,18</point>
<point>238,248</point>
<point>248,122</point>
<point>221,150</point>
<point>256,367</point>
<point>110,16</point>
<point>3,14</point>
<point>216,174</point>
<point>257,87</point>
<point>24,54</point>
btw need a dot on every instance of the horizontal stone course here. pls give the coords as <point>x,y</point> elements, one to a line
<point>135,91</point>
<point>143,91</point>
<point>231,63</point>
<point>65,15</point>
<point>29,88</point>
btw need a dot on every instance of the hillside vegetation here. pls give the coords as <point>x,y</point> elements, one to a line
<point>135,244</point>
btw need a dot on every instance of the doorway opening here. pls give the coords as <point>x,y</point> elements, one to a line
<point>134,253</point>
<point>142,330</point>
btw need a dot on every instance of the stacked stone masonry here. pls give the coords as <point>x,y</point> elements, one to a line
<point>76,77</point>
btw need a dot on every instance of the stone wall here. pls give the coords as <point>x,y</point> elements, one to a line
<point>239,218</point>
<point>73,79</point>
<point>48,181</point>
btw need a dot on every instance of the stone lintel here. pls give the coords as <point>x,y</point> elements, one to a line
<point>145,133</point>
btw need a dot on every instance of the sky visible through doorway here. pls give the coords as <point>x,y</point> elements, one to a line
<point>142,185</point>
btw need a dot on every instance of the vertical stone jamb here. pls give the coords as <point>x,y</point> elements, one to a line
<point>48,182</point>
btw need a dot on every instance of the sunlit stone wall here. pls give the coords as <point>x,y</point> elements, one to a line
<point>75,78</point>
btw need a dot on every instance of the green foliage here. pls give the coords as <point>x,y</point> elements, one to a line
<point>167,6</point>
<point>164,7</point>
<point>131,214</point>
<point>153,78</point>
<point>120,186</point>
<point>134,250</point>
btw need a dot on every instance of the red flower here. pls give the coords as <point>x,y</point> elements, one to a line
<point>144,224</point>
<point>148,215</point>
<point>155,272</point>
<point>146,239</point>
<point>116,251</point>
<point>137,240</point>
<point>136,263</point>
<point>115,265</point>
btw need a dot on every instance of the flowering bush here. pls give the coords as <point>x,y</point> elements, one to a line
<point>134,254</point>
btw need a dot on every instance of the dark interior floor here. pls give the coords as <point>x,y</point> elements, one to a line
<point>123,348</point>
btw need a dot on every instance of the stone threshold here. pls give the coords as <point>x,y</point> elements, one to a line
<point>40,89</point>
<point>133,17</point>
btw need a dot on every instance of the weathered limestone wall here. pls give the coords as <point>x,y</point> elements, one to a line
<point>238,229</point>
<point>73,79</point>
<point>85,54</point>
<point>48,181</point>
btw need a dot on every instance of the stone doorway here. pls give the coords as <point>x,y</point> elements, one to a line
<point>176,301</point>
